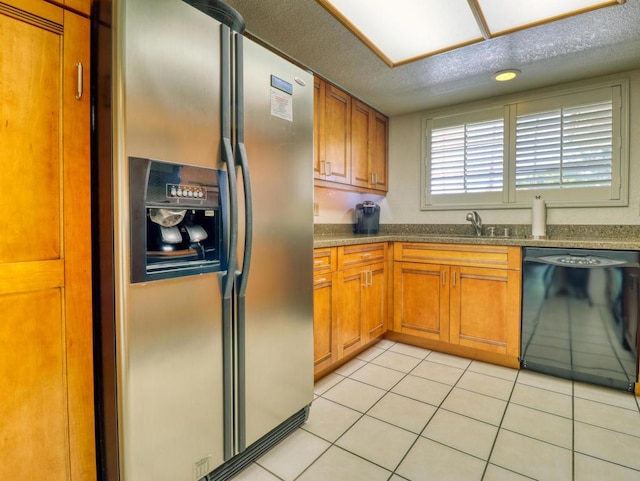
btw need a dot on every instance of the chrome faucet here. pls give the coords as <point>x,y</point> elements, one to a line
<point>476,222</point>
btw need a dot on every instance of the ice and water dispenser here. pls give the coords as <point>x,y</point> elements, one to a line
<point>176,219</point>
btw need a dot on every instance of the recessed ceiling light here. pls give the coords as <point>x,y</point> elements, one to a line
<point>504,75</point>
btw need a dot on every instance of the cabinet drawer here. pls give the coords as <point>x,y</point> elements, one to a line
<point>361,254</point>
<point>500,257</point>
<point>324,260</point>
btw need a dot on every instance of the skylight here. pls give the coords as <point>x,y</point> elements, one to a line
<point>403,31</point>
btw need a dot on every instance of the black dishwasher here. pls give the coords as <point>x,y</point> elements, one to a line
<point>580,314</point>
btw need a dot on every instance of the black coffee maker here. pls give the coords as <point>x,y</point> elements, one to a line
<point>367,218</point>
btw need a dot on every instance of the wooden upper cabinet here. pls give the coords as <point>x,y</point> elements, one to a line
<point>46,359</point>
<point>80,6</point>
<point>332,133</point>
<point>369,134</point>
<point>351,141</point>
<point>379,158</point>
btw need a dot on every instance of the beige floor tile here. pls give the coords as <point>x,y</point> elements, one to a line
<point>354,394</point>
<point>255,472</point>
<point>385,344</point>
<point>544,381</point>
<point>329,420</point>
<point>605,395</point>
<point>423,390</point>
<point>487,385</point>
<point>377,441</point>
<point>326,383</point>
<point>530,457</point>
<point>607,416</point>
<point>293,454</point>
<point>592,469</point>
<point>350,367</point>
<point>408,350</point>
<point>496,473</point>
<point>475,405</point>
<point>338,465</point>
<point>539,425</point>
<point>428,461</point>
<point>397,361</point>
<point>502,372</point>
<point>607,445</point>
<point>370,354</point>
<point>403,412</point>
<point>449,360</point>
<point>378,376</point>
<point>438,372</point>
<point>462,433</point>
<point>543,400</point>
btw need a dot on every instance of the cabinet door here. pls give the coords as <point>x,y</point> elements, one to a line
<point>379,156</point>
<point>374,309</point>
<point>421,300</point>
<point>351,331</point>
<point>337,135</point>
<point>485,309</point>
<point>324,320</point>
<point>46,363</point>
<point>361,123</point>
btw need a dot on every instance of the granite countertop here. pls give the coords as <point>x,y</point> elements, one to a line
<point>582,237</point>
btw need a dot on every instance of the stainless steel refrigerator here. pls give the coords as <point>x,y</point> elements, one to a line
<point>203,231</point>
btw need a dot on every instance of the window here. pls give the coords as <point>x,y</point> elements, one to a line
<point>566,147</point>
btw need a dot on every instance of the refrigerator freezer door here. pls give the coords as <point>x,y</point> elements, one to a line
<point>278,343</point>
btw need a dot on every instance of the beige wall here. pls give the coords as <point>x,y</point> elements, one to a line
<point>402,204</point>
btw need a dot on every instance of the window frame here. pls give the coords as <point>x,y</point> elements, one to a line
<point>615,196</point>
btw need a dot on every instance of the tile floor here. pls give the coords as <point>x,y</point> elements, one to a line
<point>398,413</point>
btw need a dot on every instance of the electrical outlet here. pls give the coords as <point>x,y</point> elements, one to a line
<point>316,208</point>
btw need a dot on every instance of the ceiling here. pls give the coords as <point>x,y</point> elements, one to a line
<point>596,43</point>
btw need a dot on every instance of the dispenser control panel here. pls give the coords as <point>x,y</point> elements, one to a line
<point>177,191</point>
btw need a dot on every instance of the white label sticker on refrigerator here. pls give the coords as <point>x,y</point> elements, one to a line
<point>281,105</point>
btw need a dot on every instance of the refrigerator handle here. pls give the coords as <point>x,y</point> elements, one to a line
<point>242,159</point>
<point>243,275</point>
<point>229,277</point>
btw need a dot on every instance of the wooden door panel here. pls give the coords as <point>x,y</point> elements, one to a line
<point>32,407</point>
<point>30,131</point>
<point>350,327</point>
<point>375,302</point>
<point>360,135</point>
<point>45,247</point>
<point>479,308</point>
<point>421,300</point>
<point>323,316</point>
<point>337,134</point>
<point>379,157</point>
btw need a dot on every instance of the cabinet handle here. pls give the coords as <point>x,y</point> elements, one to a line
<point>370,278</point>
<point>317,262</point>
<point>444,278</point>
<point>454,278</point>
<point>328,171</point>
<point>320,280</point>
<point>373,178</point>
<point>80,85</point>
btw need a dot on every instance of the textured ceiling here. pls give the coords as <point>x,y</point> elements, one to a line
<point>596,43</point>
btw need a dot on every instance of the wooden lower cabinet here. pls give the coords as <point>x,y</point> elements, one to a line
<point>362,306</point>
<point>324,321</point>
<point>462,306</point>
<point>350,303</point>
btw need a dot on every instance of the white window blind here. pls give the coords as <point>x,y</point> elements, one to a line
<point>567,147</point>
<point>467,158</point>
